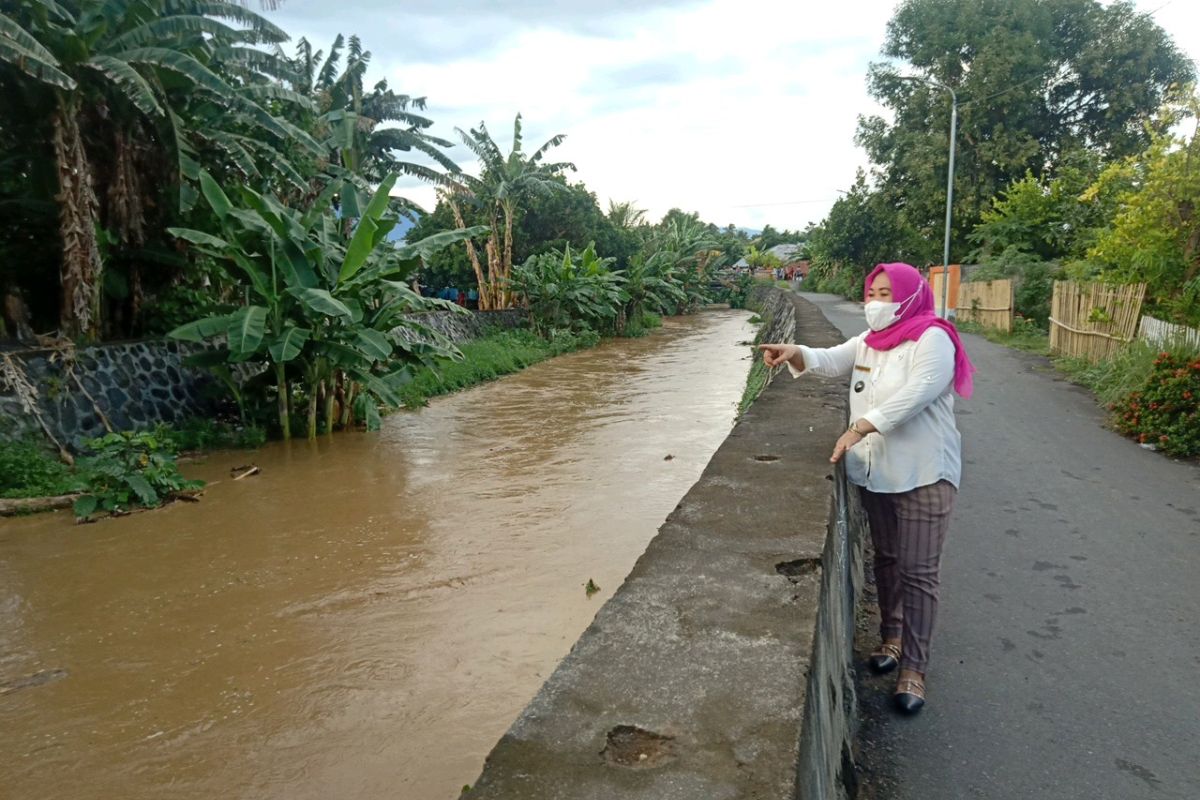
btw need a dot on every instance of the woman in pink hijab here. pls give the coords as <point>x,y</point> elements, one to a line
<point>903,450</point>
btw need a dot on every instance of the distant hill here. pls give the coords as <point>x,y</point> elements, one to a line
<point>751,232</point>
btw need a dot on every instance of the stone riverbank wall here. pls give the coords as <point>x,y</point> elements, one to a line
<point>139,384</point>
<point>721,668</point>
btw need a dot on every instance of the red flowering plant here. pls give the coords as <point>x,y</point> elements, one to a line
<point>1166,410</point>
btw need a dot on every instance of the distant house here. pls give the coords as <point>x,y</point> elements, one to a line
<point>789,257</point>
<point>741,264</point>
<point>786,253</point>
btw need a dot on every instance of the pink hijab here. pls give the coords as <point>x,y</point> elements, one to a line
<point>916,316</point>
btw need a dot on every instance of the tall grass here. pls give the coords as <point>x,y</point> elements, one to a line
<point>1126,372</point>
<point>489,357</point>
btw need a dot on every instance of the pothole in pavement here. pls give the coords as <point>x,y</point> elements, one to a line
<point>634,748</point>
<point>794,570</point>
<point>766,459</point>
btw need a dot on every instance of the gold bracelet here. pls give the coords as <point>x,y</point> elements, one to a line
<point>853,428</point>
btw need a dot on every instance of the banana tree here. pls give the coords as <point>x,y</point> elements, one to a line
<point>567,291</point>
<point>505,181</point>
<point>652,284</point>
<point>327,307</point>
<point>115,69</point>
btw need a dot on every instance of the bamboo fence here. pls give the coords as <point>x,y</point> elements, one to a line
<point>987,303</point>
<point>1093,320</point>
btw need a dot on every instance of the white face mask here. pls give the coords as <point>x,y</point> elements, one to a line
<point>880,314</point>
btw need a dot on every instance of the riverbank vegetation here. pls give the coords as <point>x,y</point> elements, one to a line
<point>489,357</point>
<point>122,471</point>
<point>181,169</point>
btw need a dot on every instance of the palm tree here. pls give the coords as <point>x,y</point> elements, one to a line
<point>626,215</point>
<point>115,69</point>
<point>498,191</point>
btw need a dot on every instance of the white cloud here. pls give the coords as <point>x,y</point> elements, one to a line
<point>742,110</point>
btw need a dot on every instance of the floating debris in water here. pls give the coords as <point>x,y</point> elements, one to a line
<point>668,457</point>
<point>244,471</point>
<point>36,679</point>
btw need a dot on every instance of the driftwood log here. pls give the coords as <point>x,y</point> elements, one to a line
<point>29,505</point>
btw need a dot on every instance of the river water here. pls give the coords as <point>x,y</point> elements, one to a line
<point>366,617</point>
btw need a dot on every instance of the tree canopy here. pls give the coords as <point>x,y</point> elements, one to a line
<point>1036,80</point>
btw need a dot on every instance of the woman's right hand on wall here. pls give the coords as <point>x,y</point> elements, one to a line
<point>776,354</point>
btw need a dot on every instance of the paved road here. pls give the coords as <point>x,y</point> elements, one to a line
<point>1066,663</point>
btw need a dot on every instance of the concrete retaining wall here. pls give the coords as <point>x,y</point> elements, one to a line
<point>720,668</point>
<point>137,385</point>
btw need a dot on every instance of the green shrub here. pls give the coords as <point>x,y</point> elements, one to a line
<point>1165,410</point>
<point>643,325</point>
<point>1033,282</point>
<point>738,291</point>
<point>127,470</point>
<point>29,470</point>
<point>203,433</point>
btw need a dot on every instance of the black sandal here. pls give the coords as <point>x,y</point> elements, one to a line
<point>910,695</point>
<point>885,658</point>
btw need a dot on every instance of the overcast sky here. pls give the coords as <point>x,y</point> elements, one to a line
<point>742,110</point>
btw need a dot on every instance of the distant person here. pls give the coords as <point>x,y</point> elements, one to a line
<point>472,298</point>
<point>903,450</point>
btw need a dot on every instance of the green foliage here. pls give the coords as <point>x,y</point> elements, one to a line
<point>505,185</point>
<point>1026,335</point>
<point>544,222</point>
<point>488,358</point>
<point>1036,80</point>
<point>737,291</point>
<point>327,300</point>
<point>205,433</point>
<point>1053,219</point>
<point>566,291</point>
<point>861,230</point>
<point>760,374</point>
<point>771,237</point>
<point>137,96</point>
<point>642,325</point>
<point>834,278</point>
<point>1033,282</point>
<point>1155,235</point>
<point>127,470</point>
<point>762,259</point>
<point>652,285</point>
<point>27,469</point>
<point>1165,408</point>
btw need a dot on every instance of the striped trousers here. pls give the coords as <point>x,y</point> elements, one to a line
<point>908,530</point>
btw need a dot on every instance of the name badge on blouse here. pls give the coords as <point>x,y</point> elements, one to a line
<point>859,385</point>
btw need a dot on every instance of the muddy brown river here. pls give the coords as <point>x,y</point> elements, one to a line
<point>366,617</point>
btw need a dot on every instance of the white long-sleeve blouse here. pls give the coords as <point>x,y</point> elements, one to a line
<point>907,393</point>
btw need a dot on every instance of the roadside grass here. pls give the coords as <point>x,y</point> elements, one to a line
<point>1126,372</point>
<point>488,358</point>
<point>1026,337</point>
<point>1150,390</point>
